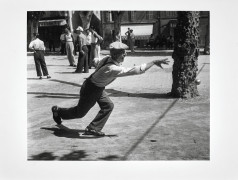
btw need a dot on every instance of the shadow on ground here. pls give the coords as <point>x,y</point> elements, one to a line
<point>78,155</point>
<point>63,131</point>
<point>54,95</point>
<point>111,93</point>
<point>72,156</point>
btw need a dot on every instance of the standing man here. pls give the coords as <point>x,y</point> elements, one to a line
<point>93,89</point>
<point>62,43</point>
<point>132,41</point>
<point>51,42</point>
<point>69,39</point>
<point>128,36</point>
<point>95,46</point>
<point>88,43</point>
<point>83,52</point>
<point>39,49</point>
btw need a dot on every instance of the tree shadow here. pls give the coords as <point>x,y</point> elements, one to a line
<point>111,93</point>
<point>66,72</point>
<point>151,53</point>
<point>110,158</point>
<point>66,82</point>
<point>72,156</point>
<point>116,93</point>
<point>43,156</point>
<point>56,64</point>
<point>34,79</point>
<point>54,95</point>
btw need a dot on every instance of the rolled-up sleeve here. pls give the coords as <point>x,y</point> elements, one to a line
<point>117,71</point>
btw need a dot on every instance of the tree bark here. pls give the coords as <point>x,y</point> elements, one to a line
<point>117,23</point>
<point>207,38</point>
<point>185,55</point>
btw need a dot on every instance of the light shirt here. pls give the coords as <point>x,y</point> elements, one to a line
<point>105,74</point>
<point>68,37</point>
<point>82,38</point>
<point>132,36</point>
<point>37,44</point>
<point>94,39</point>
<point>89,38</point>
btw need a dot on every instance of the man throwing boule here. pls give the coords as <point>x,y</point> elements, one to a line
<point>93,89</point>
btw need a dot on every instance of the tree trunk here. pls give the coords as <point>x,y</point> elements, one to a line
<point>117,23</point>
<point>70,21</point>
<point>86,17</point>
<point>207,38</point>
<point>185,55</point>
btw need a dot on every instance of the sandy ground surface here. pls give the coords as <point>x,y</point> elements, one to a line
<point>144,125</point>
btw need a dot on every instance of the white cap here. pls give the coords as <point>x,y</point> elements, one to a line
<point>118,46</point>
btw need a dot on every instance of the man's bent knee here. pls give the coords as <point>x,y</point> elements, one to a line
<point>110,106</point>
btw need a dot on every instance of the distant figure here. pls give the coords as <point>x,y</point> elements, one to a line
<point>75,44</point>
<point>132,41</point>
<point>39,49</point>
<point>62,44</point>
<point>117,37</point>
<point>170,42</point>
<point>164,42</point>
<point>69,39</point>
<point>95,46</point>
<point>88,43</point>
<point>128,37</point>
<point>51,42</point>
<point>82,65</point>
<point>151,41</point>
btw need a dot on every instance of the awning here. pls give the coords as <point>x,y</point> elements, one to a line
<point>142,31</point>
<point>55,22</point>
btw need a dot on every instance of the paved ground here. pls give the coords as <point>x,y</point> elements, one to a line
<point>145,124</point>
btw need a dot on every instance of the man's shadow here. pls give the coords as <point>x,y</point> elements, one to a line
<point>63,131</point>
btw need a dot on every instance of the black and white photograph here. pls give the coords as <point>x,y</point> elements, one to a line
<point>118,85</point>
<point>110,91</point>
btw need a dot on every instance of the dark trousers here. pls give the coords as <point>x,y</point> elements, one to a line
<point>83,61</point>
<point>89,55</point>
<point>92,55</point>
<point>40,63</point>
<point>63,48</point>
<point>89,95</point>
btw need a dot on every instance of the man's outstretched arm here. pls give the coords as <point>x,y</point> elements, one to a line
<point>157,63</point>
<point>121,71</point>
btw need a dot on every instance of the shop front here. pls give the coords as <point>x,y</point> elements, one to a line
<point>142,33</point>
<point>50,31</point>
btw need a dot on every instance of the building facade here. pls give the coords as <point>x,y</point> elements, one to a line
<point>145,23</point>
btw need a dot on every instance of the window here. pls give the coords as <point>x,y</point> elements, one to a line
<point>108,16</point>
<point>149,15</point>
<point>132,16</point>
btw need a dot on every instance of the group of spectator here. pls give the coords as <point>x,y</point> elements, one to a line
<point>70,44</point>
<point>87,43</point>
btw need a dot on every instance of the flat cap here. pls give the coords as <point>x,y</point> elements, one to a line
<point>79,28</point>
<point>118,46</point>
